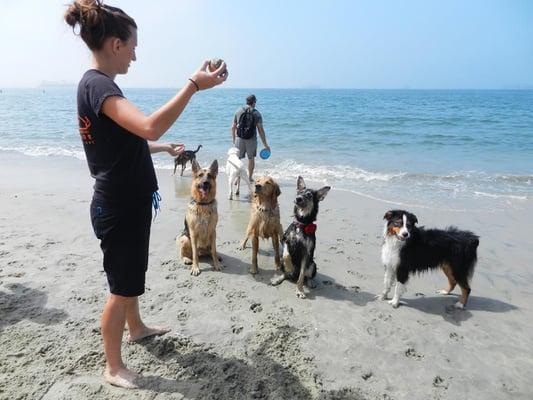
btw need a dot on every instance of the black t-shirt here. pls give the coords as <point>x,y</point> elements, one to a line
<point>119,160</point>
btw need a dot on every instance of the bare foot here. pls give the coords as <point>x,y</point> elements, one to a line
<point>147,332</point>
<point>123,378</point>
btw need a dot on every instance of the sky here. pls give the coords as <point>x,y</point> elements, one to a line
<point>378,44</point>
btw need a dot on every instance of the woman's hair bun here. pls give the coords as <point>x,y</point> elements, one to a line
<point>84,12</point>
<point>98,21</point>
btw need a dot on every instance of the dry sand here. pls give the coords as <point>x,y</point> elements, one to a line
<point>234,336</point>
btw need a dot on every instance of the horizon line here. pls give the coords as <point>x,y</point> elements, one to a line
<point>68,85</point>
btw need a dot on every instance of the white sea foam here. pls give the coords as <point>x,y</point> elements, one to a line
<point>500,196</point>
<point>290,169</point>
<point>46,151</point>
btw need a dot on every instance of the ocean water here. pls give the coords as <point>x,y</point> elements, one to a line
<point>449,149</point>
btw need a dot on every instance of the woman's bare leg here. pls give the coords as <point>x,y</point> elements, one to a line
<point>112,324</point>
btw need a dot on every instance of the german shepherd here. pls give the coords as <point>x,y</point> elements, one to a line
<point>184,158</point>
<point>264,219</point>
<point>199,235</point>
<point>299,239</point>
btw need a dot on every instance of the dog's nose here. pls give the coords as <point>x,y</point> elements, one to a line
<point>257,187</point>
<point>405,234</point>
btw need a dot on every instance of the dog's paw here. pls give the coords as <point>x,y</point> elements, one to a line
<point>242,246</point>
<point>253,270</point>
<point>218,267</point>
<point>442,291</point>
<point>382,296</point>
<point>187,261</point>
<point>237,193</point>
<point>195,271</point>
<point>300,294</point>
<point>394,303</point>
<point>276,280</point>
<point>459,306</point>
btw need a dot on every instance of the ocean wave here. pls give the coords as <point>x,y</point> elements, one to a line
<point>291,169</point>
<point>46,151</point>
<point>500,196</point>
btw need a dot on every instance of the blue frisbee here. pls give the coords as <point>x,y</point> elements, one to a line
<point>264,154</point>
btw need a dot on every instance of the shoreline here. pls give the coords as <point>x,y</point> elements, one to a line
<point>394,188</point>
<point>233,335</point>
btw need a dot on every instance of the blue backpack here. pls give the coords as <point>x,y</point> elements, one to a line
<point>246,124</point>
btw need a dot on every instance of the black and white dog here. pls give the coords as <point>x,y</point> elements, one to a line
<point>408,249</point>
<point>299,239</point>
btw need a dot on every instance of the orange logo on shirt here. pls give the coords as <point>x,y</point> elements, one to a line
<point>85,125</point>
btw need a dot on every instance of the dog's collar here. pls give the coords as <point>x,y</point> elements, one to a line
<point>310,228</point>
<point>194,202</point>
<point>263,209</point>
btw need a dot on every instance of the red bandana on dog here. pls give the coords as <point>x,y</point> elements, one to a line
<point>309,228</point>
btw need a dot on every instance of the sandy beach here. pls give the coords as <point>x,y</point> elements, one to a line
<point>233,335</point>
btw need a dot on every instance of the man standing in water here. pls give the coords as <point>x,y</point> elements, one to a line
<point>247,121</point>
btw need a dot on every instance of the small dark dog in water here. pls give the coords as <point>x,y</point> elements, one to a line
<point>184,158</point>
<point>299,239</point>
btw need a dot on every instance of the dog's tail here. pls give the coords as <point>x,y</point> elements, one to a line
<point>470,256</point>
<point>198,149</point>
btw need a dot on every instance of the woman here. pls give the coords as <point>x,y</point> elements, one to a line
<point>114,134</point>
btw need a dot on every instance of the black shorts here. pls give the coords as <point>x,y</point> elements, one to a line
<point>123,228</point>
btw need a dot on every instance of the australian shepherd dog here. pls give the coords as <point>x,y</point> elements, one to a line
<point>299,239</point>
<point>408,249</point>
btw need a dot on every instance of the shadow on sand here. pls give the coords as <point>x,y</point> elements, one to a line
<point>326,286</point>
<point>22,302</point>
<point>443,305</point>
<point>202,374</point>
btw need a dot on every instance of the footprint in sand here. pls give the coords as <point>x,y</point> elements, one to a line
<point>440,382</point>
<point>170,265</point>
<point>49,243</point>
<point>372,330</point>
<point>456,337</point>
<point>185,284</point>
<point>411,353</point>
<point>182,316</point>
<point>382,317</point>
<point>367,375</point>
<point>356,274</point>
<point>236,329</point>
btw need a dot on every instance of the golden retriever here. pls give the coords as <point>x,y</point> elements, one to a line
<point>264,219</point>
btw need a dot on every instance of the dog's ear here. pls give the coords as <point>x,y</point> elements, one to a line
<point>388,215</point>
<point>195,166</point>
<point>300,184</point>
<point>214,168</point>
<point>278,190</point>
<point>322,192</point>
<point>414,218</point>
